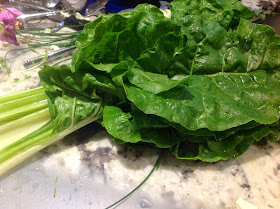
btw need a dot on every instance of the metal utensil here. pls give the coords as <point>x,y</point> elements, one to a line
<point>94,8</point>
<point>74,5</point>
<point>33,15</point>
<point>50,3</point>
<point>33,6</point>
<point>34,61</point>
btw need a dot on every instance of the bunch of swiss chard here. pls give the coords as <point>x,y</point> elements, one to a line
<point>204,84</point>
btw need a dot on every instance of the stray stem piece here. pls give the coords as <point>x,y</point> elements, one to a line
<point>44,59</point>
<point>147,177</point>
<point>54,193</point>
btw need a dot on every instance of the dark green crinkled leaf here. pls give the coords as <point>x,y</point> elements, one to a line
<point>221,135</point>
<point>215,102</point>
<point>67,103</point>
<point>151,82</point>
<point>123,37</point>
<point>227,13</point>
<point>190,45</point>
<point>213,151</point>
<point>260,44</point>
<point>138,128</point>
<point>207,48</point>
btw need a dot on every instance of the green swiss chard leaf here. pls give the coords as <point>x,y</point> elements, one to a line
<point>208,50</point>
<point>161,56</point>
<point>221,135</point>
<point>151,82</point>
<point>88,33</point>
<point>215,102</point>
<point>70,99</point>
<point>231,147</point>
<point>134,128</point>
<point>123,37</point>
<point>192,45</point>
<point>86,81</point>
<point>227,13</point>
<point>260,44</point>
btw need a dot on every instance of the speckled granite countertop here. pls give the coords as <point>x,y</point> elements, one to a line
<point>92,172</point>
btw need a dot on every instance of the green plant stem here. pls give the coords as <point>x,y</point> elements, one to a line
<point>28,49</point>
<point>20,150</point>
<point>14,130</point>
<point>42,62</point>
<point>52,34</point>
<point>147,177</point>
<point>58,44</point>
<point>17,105</point>
<point>54,193</point>
<point>62,61</point>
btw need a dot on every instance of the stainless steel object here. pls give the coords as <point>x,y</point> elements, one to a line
<point>28,25</point>
<point>33,6</point>
<point>74,5</point>
<point>94,8</point>
<point>34,61</point>
<point>50,3</point>
<point>28,16</point>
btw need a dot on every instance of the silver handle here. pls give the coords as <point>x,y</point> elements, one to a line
<point>36,15</point>
<point>36,60</point>
<point>34,6</point>
<point>95,7</point>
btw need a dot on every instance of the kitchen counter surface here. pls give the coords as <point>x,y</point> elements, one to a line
<point>92,172</point>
